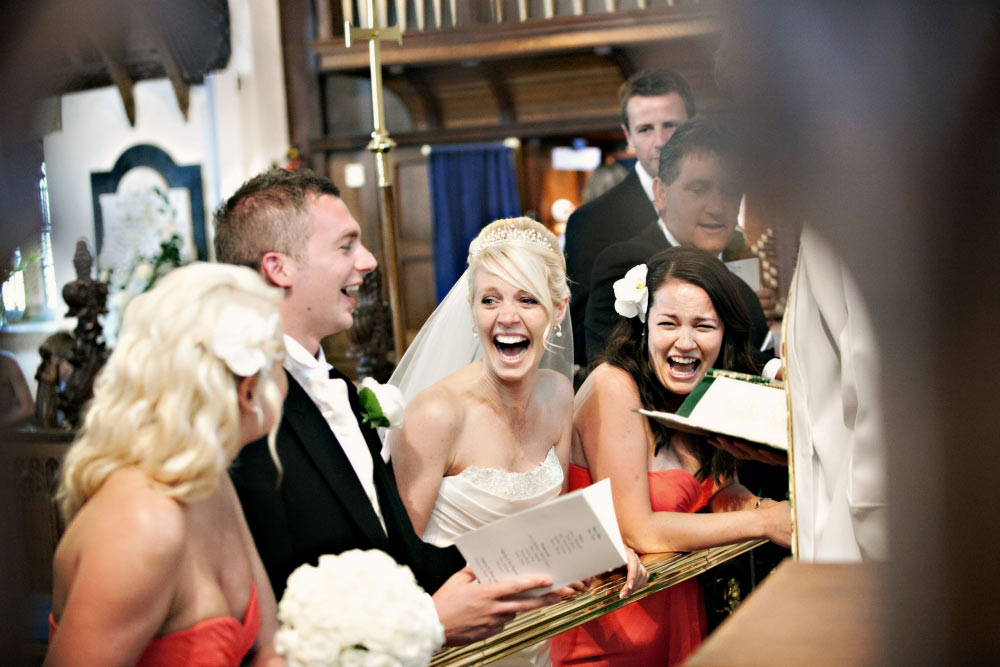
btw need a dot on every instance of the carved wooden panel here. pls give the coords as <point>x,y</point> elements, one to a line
<point>36,463</point>
<point>416,230</point>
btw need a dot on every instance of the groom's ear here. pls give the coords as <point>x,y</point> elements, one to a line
<point>277,268</point>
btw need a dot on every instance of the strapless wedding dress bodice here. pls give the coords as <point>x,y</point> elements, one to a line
<point>479,496</point>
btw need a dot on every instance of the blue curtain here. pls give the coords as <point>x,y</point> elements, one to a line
<point>471,186</point>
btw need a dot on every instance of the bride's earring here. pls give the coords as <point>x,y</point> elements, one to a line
<point>475,331</point>
<point>258,413</point>
<point>559,330</point>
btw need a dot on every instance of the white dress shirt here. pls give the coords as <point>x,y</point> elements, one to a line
<point>645,180</point>
<point>330,396</point>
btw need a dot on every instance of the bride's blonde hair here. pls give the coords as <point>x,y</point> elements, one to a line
<point>164,402</point>
<point>525,254</point>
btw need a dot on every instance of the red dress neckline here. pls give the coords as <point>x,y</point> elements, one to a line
<point>221,641</point>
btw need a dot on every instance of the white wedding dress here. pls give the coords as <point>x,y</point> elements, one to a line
<point>479,496</point>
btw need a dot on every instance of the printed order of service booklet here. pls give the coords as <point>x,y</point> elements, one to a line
<point>569,538</point>
<point>733,404</point>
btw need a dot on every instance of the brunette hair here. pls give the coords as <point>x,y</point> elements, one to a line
<point>626,348</point>
<point>702,135</point>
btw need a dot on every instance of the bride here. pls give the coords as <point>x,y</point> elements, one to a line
<point>493,437</point>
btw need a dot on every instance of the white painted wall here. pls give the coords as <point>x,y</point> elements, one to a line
<point>237,126</point>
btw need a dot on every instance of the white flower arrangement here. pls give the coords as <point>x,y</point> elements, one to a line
<point>381,404</point>
<point>631,293</point>
<point>142,244</point>
<point>356,609</point>
<point>246,340</point>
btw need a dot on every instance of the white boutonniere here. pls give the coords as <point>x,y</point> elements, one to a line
<point>631,293</point>
<point>381,404</point>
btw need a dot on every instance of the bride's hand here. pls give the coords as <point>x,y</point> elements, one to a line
<point>574,588</point>
<point>636,577</point>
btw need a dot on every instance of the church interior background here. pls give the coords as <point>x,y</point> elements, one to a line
<point>149,118</point>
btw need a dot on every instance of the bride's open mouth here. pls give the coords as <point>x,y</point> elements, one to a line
<point>512,348</point>
<point>683,367</point>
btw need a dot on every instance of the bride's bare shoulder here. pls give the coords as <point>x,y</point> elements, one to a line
<point>556,386</point>
<point>442,405</point>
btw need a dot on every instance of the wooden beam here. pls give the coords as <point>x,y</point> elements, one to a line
<point>501,92</point>
<point>113,61</point>
<point>621,59</point>
<point>324,19</point>
<point>302,86</point>
<point>170,67</point>
<point>428,99</point>
<point>494,132</point>
<point>505,40</point>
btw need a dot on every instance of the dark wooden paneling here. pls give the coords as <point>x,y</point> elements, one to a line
<point>415,230</point>
<point>301,90</point>
<point>564,87</point>
<point>504,40</point>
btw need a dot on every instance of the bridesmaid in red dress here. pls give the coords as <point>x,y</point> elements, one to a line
<point>157,566</point>
<point>688,317</point>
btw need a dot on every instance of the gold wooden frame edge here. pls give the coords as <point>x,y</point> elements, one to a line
<point>665,570</point>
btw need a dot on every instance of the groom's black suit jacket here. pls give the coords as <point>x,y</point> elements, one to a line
<point>319,507</point>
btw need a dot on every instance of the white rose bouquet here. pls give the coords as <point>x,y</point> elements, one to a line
<point>357,609</point>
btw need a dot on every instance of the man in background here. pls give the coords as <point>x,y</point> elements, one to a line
<point>697,192</point>
<point>654,103</point>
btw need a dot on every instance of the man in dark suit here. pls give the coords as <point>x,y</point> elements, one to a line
<point>653,104</point>
<point>333,492</point>
<point>697,193</point>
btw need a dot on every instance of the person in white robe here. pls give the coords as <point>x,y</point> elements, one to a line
<point>833,374</point>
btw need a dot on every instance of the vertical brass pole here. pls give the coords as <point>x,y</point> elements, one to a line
<point>380,145</point>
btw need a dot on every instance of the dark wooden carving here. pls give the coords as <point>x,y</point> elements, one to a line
<point>46,399</point>
<point>371,334</point>
<point>87,300</point>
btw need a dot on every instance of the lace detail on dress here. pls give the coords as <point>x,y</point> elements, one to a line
<point>517,485</point>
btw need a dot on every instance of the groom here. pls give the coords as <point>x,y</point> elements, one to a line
<point>334,492</point>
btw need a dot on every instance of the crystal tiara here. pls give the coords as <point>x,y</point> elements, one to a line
<point>508,233</point>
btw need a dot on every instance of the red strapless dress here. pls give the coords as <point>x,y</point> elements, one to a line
<point>662,629</point>
<point>213,642</point>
